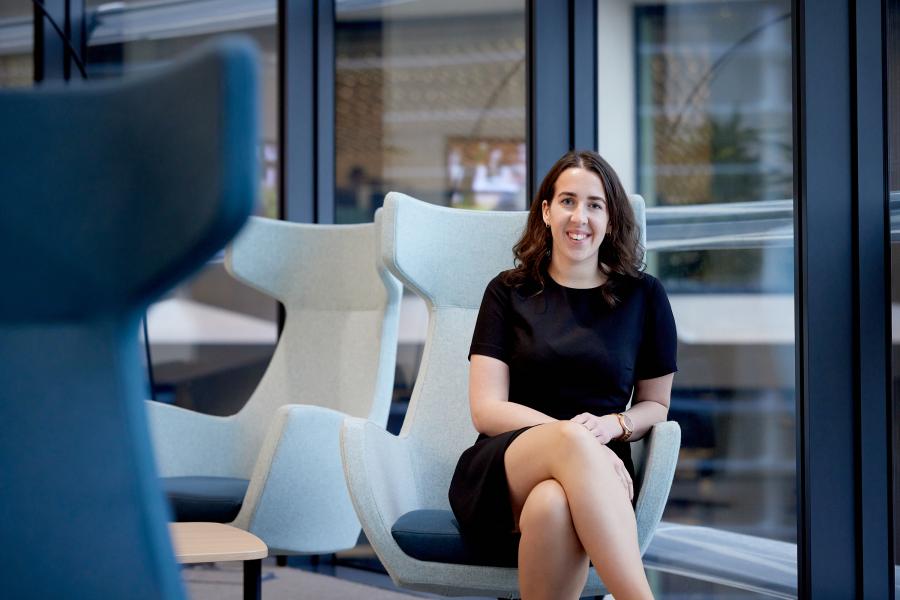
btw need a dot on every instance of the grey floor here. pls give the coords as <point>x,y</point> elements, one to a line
<point>357,574</point>
<point>300,580</point>
<point>224,581</point>
<point>360,566</point>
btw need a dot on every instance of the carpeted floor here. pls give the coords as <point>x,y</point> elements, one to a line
<point>224,581</point>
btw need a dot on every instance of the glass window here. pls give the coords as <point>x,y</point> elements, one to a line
<point>429,100</point>
<point>16,41</point>
<point>212,338</point>
<point>695,113</point>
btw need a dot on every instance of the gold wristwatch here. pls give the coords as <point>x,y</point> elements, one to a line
<point>627,427</point>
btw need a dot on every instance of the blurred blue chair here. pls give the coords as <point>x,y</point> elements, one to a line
<point>112,193</point>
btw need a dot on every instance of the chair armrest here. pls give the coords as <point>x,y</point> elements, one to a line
<point>381,481</point>
<point>191,443</point>
<point>661,455</point>
<point>297,501</point>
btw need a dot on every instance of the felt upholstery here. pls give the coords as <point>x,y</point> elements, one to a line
<point>434,535</point>
<point>335,357</point>
<point>112,193</point>
<point>447,256</point>
<point>207,499</point>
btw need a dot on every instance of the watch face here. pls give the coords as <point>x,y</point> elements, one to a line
<point>627,427</point>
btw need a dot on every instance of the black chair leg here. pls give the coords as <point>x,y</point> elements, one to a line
<point>252,579</point>
<point>281,560</point>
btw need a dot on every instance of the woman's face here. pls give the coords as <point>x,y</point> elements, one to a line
<point>578,217</point>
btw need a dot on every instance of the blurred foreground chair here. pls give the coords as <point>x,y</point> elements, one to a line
<point>399,483</point>
<point>112,193</point>
<point>335,357</point>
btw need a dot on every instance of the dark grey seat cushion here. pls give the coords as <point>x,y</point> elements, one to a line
<point>434,535</point>
<point>211,499</point>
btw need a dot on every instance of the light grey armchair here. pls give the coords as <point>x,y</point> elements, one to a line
<point>335,357</point>
<point>447,256</point>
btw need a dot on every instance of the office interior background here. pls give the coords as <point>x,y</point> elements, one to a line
<point>694,108</point>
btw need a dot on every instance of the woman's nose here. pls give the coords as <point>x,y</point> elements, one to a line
<point>578,214</point>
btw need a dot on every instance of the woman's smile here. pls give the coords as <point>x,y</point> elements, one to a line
<point>578,236</point>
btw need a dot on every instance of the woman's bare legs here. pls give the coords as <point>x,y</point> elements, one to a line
<point>598,503</point>
<point>552,561</point>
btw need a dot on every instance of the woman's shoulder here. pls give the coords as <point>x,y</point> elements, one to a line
<point>648,281</point>
<point>514,281</point>
<point>644,284</point>
<point>501,281</point>
<point>500,286</point>
<point>509,279</point>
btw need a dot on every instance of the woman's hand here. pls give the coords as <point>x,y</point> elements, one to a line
<point>622,472</point>
<point>604,428</point>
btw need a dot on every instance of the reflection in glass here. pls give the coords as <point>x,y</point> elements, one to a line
<point>430,101</point>
<point>714,126</point>
<point>695,112</point>
<point>212,338</point>
<point>16,40</point>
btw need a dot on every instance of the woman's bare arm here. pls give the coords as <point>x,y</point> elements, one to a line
<point>650,404</point>
<point>492,412</point>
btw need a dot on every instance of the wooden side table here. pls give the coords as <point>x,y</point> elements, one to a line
<point>217,542</point>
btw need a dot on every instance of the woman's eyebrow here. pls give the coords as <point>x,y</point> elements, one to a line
<point>574,195</point>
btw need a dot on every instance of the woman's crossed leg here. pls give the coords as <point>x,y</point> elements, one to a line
<point>569,503</point>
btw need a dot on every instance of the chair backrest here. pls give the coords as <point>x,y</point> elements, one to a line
<point>447,256</point>
<point>113,192</point>
<point>339,342</point>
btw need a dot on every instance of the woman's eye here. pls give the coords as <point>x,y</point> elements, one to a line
<point>596,205</point>
<point>565,201</point>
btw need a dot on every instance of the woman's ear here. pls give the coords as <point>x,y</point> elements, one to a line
<point>545,210</point>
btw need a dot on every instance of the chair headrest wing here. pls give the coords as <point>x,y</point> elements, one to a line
<point>311,266</point>
<point>422,243</point>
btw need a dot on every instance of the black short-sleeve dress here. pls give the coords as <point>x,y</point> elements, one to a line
<point>568,352</point>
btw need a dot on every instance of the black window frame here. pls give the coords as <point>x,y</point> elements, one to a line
<point>842,303</point>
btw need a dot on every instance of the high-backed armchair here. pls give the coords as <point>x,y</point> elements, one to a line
<point>112,192</point>
<point>399,483</point>
<point>274,468</point>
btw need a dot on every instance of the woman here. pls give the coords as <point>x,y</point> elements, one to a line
<point>560,343</point>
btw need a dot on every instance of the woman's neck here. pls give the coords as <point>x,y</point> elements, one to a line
<point>576,276</point>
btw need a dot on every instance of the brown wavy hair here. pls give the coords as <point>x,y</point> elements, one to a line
<point>620,255</point>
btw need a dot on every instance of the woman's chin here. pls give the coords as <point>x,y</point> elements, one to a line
<point>573,257</point>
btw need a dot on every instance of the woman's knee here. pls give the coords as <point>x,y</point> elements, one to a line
<point>571,434</point>
<point>546,506</point>
<point>576,443</point>
<point>576,438</point>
